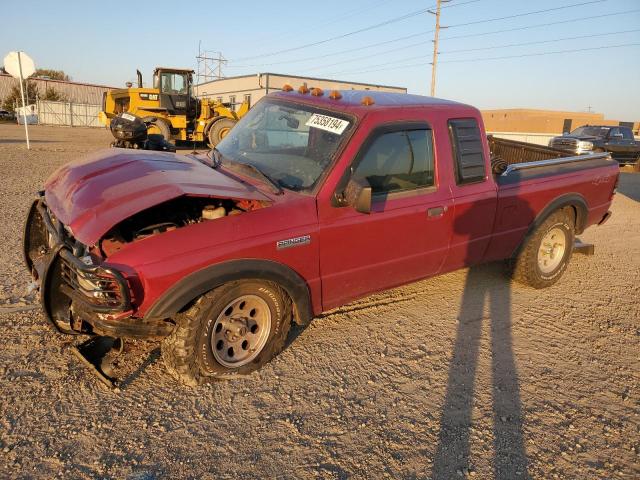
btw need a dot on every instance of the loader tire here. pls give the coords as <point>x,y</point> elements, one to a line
<point>159,127</point>
<point>545,254</point>
<point>229,332</point>
<point>219,130</point>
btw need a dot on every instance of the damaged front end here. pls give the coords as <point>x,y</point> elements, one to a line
<point>79,293</point>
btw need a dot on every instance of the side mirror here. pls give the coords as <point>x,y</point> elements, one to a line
<point>358,195</point>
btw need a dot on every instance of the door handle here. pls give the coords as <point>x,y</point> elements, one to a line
<point>436,211</point>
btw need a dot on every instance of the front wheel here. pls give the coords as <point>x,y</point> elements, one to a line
<point>219,130</point>
<point>546,253</point>
<point>231,331</point>
<point>158,127</point>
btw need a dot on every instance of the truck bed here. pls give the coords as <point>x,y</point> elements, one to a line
<point>530,177</point>
<point>513,151</point>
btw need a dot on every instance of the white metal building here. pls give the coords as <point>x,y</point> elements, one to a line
<point>235,90</point>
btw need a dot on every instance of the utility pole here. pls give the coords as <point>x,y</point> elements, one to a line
<point>435,46</point>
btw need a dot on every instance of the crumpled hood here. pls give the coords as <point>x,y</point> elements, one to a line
<point>93,195</point>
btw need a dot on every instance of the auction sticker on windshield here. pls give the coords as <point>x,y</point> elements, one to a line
<point>330,124</point>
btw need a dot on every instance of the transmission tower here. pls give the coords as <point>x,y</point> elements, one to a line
<point>210,65</point>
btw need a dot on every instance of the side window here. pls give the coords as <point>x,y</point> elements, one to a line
<point>626,133</point>
<point>396,161</point>
<point>467,150</point>
<point>613,132</point>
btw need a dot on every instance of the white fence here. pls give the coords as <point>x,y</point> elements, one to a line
<point>537,138</point>
<point>68,114</point>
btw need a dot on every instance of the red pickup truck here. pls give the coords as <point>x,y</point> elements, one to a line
<point>313,200</point>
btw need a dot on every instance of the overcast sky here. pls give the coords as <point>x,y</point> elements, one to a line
<point>104,42</point>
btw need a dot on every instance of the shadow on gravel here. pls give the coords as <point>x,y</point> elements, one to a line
<point>152,357</point>
<point>485,284</point>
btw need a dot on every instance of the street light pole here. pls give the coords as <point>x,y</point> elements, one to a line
<point>24,105</point>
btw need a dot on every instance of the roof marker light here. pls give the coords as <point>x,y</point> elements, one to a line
<point>287,88</point>
<point>317,92</point>
<point>335,95</point>
<point>366,101</point>
<point>303,89</point>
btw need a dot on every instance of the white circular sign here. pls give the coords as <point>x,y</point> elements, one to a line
<point>15,60</point>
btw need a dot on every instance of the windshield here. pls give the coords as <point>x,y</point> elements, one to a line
<point>173,83</point>
<point>590,132</point>
<point>293,144</point>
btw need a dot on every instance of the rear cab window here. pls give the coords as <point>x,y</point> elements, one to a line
<point>468,153</point>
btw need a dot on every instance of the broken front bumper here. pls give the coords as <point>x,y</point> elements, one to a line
<point>78,293</point>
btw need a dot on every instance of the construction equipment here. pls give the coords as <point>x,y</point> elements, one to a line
<point>179,116</point>
<point>131,131</point>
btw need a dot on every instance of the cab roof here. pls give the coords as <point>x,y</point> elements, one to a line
<point>353,100</point>
<point>174,69</point>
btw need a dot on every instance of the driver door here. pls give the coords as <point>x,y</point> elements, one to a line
<point>406,235</point>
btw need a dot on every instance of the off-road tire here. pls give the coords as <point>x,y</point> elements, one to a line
<point>161,126</point>
<point>525,267</point>
<point>187,352</point>
<point>219,130</point>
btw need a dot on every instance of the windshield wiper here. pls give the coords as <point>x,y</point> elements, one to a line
<point>215,156</point>
<point>277,189</point>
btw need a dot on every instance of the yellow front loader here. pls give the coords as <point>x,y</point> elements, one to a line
<point>179,116</point>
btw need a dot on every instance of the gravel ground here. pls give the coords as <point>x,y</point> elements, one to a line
<point>464,375</point>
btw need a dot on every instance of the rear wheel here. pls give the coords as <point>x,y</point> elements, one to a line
<point>546,253</point>
<point>229,332</point>
<point>219,130</point>
<point>159,127</point>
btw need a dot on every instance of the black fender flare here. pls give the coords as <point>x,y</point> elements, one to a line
<point>574,200</point>
<point>186,290</point>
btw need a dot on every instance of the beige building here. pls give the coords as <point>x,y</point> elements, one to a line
<point>235,90</point>
<point>545,121</point>
<point>71,91</point>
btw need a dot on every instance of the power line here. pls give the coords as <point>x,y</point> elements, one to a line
<point>404,47</point>
<point>333,19</point>
<point>494,47</point>
<point>560,22</point>
<point>544,53</point>
<point>406,37</point>
<point>593,35</point>
<point>502,57</point>
<point>364,29</point>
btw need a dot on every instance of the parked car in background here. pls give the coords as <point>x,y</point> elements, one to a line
<point>619,141</point>
<point>6,115</point>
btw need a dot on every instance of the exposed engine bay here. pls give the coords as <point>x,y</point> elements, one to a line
<point>177,213</point>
